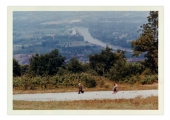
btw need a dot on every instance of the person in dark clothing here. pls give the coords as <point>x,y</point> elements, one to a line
<point>80,89</point>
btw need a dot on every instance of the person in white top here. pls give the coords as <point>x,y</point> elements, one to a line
<point>115,89</point>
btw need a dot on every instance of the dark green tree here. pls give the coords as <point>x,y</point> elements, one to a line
<point>74,66</point>
<point>46,64</point>
<point>55,61</point>
<point>147,43</point>
<point>102,62</point>
<point>24,69</point>
<point>16,68</point>
<point>123,69</point>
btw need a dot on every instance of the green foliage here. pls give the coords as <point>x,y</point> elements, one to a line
<point>86,67</point>
<point>143,79</point>
<point>92,72</point>
<point>90,83</point>
<point>132,79</point>
<point>149,79</point>
<point>74,66</point>
<point>88,80</point>
<point>147,43</point>
<point>47,64</point>
<point>24,69</point>
<point>62,71</point>
<point>22,82</point>
<point>102,62</point>
<point>17,82</point>
<point>118,71</point>
<point>72,80</point>
<point>16,68</point>
<point>122,70</point>
<point>147,71</point>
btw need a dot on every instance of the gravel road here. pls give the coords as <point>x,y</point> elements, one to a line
<point>85,96</point>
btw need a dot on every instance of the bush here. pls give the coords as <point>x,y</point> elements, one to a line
<point>17,82</point>
<point>149,79</point>
<point>147,72</point>
<point>90,83</point>
<point>122,71</point>
<point>37,80</point>
<point>132,80</point>
<point>92,72</point>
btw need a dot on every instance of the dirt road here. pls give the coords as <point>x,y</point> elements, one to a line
<point>85,96</point>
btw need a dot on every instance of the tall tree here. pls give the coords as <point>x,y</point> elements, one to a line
<point>147,43</point>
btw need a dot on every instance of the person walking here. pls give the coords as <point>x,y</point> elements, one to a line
<point>80,88</point>
<point>114,88</point>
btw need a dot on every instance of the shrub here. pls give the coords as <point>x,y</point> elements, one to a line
<point>147,72</point>
<point>36,80</point>
<point>17,82</point>
<point>90,83</point>
<point>149,79</point>
<point>122,71</point>
<point>132,80</point>
<point>92,72</point>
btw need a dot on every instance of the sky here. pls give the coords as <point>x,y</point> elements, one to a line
<point>4,52</point>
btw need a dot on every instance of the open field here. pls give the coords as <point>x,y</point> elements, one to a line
<point>138,103</point>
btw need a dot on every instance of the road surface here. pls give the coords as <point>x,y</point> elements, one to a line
<point>70,96</point>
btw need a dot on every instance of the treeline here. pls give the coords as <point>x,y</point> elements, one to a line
<point>50,70</point>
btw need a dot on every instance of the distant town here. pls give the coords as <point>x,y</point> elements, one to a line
<point>74,34</point>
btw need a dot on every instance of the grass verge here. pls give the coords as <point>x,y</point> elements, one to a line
<point>107,87</point>
<point>138,103</point>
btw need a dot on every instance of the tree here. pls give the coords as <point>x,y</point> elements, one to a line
<point>46,64</point>
<point>123,69</point>
<point>102,62</point>
<point>147,43</point>
<point>16,68</point>
<point>24,69</point>
<point>74,66</point>
<point>55,61</point>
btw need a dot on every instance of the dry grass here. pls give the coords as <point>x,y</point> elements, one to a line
<point>150,103</point>
<point>107,86</point>
<point>138,103</point>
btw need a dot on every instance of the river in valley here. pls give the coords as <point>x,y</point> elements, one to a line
<point>87,37</point>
